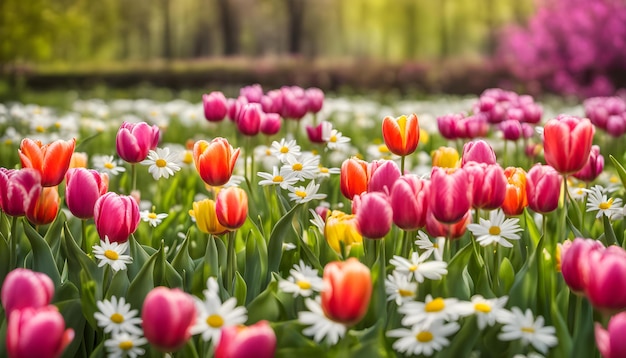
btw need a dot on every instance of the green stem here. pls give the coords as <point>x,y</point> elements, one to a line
<point>133,169</point>
<point>382,263</point>
<point>406,244</point>
<point>231,262</point>
<point>402,164</point>
<point>85,246</point>
<point>13,247</point>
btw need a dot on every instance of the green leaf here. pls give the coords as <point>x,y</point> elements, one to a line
<point>564,348</point>
<point>464,340</point>
<point>88,298</point>
<point>142,283</point>
<point>183,264</point>
<point>523,293</point>
<point>78,261</point>
<point>43,260</point>
<point>119,284</point>
<point>240,289</point>
<point>139,255</point>
<point>457,286</point>
<point>252,274</point>
<point>275,246</point>
<point>4,258</point>
<point>265,306</point>
<point>73,315</point>
<point>53,238</point>
<point>620,169</point>
<point>506,274</point>
<point>609,234</point>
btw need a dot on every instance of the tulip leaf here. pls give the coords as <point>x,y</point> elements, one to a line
<point>584,334</point>
<point>73,315</point>
<point>455,281</point>
<point>621,171</point>
<point>206,267</point>
<point>523,293</point>
<point>464,340</point>
<point>5,225</point>
<point>277,237</point>
<point>291,343</point>
<point>564,348</point>
<point>139,255</point>
<point>252,273</point>
<point>609,234</point>
<point>265,306</point>
<point>98,351</point>
<point>506,274</point>
<point>53,236</point>
<point>574,229</point>
<point>88,298</point>
<point>78,261</point>
<point>4,258</point>
<point>119,285</point>
<point>142,283</point>
<point>183,263</point>
<point>368,343</point>
<point>240,289</point>
<point>43,260</point>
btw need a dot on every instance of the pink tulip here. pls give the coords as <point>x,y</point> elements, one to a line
<point>272,102</point>
<point>593,168</point>
<point>488,185</point>
<point>249,119</point>
<point>575,264</point>
<point>610,342</point>
<point>605,283</point>
<point>83,187</point>
<point>257,340</point>
<point>37,332</point>
<point>135,140</point>
<point>409,202</point>
<point>450,194</point>
<point>567,143</point>
<point>271,124</point>
<point>116,216</point>
<point>253,93</point>
<point>215,106</point>
<point>374,215</point>
<point>315,99</point>
<point>543,188</point>
<point>511,129</point>
<point>316,134</point>
<point>382,175</point>
<point>23,288</point>
<point>235,106</point>
<point>436,228</point>
<point>478,151</point>
<point>19,190</point>
<point>167,317</point>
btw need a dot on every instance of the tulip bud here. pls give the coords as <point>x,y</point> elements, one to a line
<point>374,215</point>
<point>249,119</point>
<point>116,216</point>
<point>515,199</point>
<point>575,262</point>
<point>257,340</point>
<point>215,106</point>
<point>511,129</point>
<point>593,168</point>
<point>353,177</point>
<point>167,317</point>
<point>206,217</point>
<point>409,202</point>
<point>79,160</point>
<point>231,207</point>
<point>252,93</point>
<point>341,228</point>
<point>19,190</point>
<point>450,194</point>
<point>270,124</point>
<point>50,160</point>
<point>23,288</point>
<point>46,207</point>
<point>478,151</point>
<point>315,99</point>
<point>567,143</point>
<point>347,291</point>
<point>215,161</point>
<point>82,188</point>
<point>488,185</point>
<point>604,284</point>
<point>401,134</point>
<point>382,175</point>
<point>445,157</point>
<point>543,188</point>
<point>135,140</point>
<point>37,332</point>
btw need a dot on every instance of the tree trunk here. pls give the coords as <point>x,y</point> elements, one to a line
<point>295,10</point>
<point>228,22</point>
<point>167,30</point>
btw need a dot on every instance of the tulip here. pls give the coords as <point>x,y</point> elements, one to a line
<point>23,288</point>
<point>382,175</point>
<point>82,188</point>
<point>257,340</point>
<point>249,119</point>
<point>252,93</point>
<point>450,194</point>
<point>435,228</point>
<point>19,190</point>
<point>567,143</point>
<point>575,264</point>
<point>401,134</point>
<point>215,106</point>
<point>409,202</point>
<point>604,285</point>
<point>353,177</point>
<point>206,217</point>
<point>37,332</point>
<point>167,317</point>
<point>295,104</point>
<point>593,168</point>
<point>79,160</point>
<point>488,185</point>
<point>50,160</point>
<point>231,207</point>
<point>135,140</point>
<point>478,151</point>
<point>511,129</point>
<point>215,161</point>
<point>374,215</point>
<point>515,199</point>
<point>347,291</point>
<point>116,216</point>
<point>46,207</point>
<point>234,107</point>
<point>315,99</point>
<point>316,134</point>
<point>543,188</point>
<point>448,125</point>
<point>270,124</point>
<point>341,228</point>
<point>445,157</point>
<point>272,102</point>
<point>610,342</point>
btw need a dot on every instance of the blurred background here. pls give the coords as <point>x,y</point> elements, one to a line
<point>410,47</point>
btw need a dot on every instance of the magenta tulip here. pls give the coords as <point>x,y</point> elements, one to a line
<point>575,262</point>
<point>37,332</point>
<point>116,216</point>
<point>257,340</point>
<point>450,194</point>
<point>488,185</point>
<point>315,99</point>
<point>167,317</point>
<point>611,342</point>
<point>374,215</point>
<point>135,140</point>
<point>23,288</point>
<point>249,119</point>
<point>83,187</point>
<point>19,190</point>
<point>593,168</point>
<point>605,283</point>
<point>409,202</point>
<point>543,188</point>
<point>215,106</point>
<point>382,175</point>
<point>271,124</point>
<point>478,151</point>
<point>253,93</point>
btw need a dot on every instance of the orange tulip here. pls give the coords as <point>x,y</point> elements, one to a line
<point>401,134</point>
<point>347,291</point>
<point>50,160</point>
<point>206,217</point>
<point>354,177</point>
<point>515,198</point>
<point>231,207</point>
<point>46,208</point>
<point>215,161</point>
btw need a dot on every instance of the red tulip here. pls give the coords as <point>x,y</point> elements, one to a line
<point>167,317</point>
<point>450,194</point>
<point>135,140</point>
<point>543,188</point>
<point>116,216</point>
<point>401,134</point>
<point>347,290</point>
<point>488,185</point>
<point>19,190</point>
<point>409,202</point>
<point>215,161</point>
<point>46,207</point>
<point>257,340</point>
<point>82,188</point>
<point>37,332</point>
<point>50,160</point>
<point>567,143</point>
<point>353,177</point>
<point>231,207</point>
<point>23,288</point>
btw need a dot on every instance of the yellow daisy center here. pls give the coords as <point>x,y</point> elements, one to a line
<point>528,330</point>
<point>435,305</point>
<point>40,129</point>
<point>268,152</point>
<point>606,205</point>
<point>111,255</point>
<point>161,163</point>
<point>494,230</point>
<point>278,179</point>
<point>215,321</point>
<point>424,336</point>
<point>301,193</point>
<point>188,157</point>
<point>117,318</point>
<point>126,345</point>
<point>613,179</point>
<point>152,216</point>
<point>304,285</point>
<point>323,170</point>
<point>412,268</point>
<point>109,165</point>
<point>405,293</point>
<point>333,139</point>
<point>284,149</point>
<point>482,307</point>
<point>383,148</point>
<point>297,166</point>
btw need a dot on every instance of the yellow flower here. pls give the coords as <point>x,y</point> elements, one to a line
<point>445,157</point>
<point>206,217</point>
<point>341,227</point>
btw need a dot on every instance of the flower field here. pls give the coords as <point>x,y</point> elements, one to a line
<point>285,222</point>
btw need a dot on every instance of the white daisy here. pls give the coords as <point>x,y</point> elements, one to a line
<point>424,243</point>
<point>496,230</point>
<point>320,326</point>
<point>263,155</point>
<point>275,178</point>
<point>335,140</point>
<point>597,200</point>
<point>302,195</point>
<point>152,218</point>
<point>577,191</point>
<point>162,163</point>
<point>125,345</point>
<point>303,281</point>
<point>489,311</point>
<point>327,172</point>
<point>520,325</point>
<point>112,253</point>
<point>432,309</point>
<point>317,221</point>
<point>213,315</point>
<point>285,149</point>
<point>419,267</point>
<point>107,164</point>
<point>115,316</point>
<point>304,167</point>
<point>423,340</point>
<point>400,288</point>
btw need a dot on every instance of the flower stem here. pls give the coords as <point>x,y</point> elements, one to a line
<point>13,247</point>
<point>84,235</point>
<point>133,169</point>
<point>402,164</point>
<point>231,262</point>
